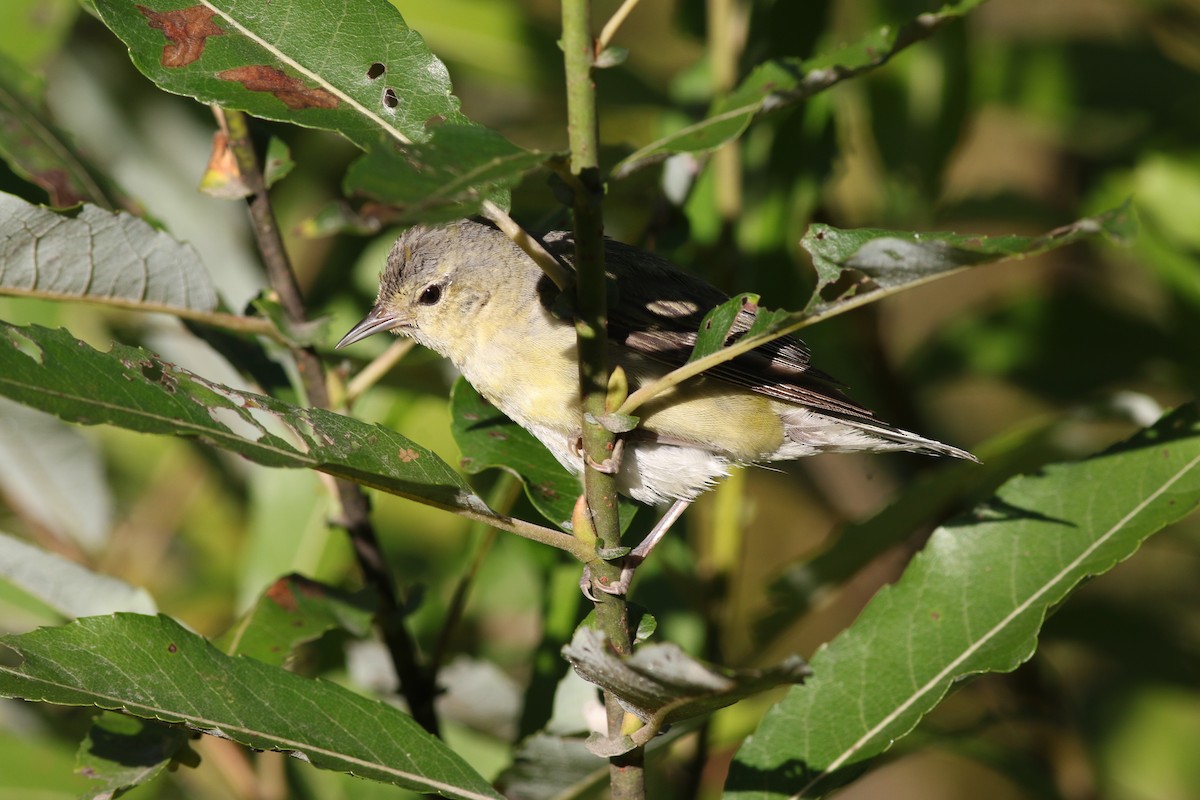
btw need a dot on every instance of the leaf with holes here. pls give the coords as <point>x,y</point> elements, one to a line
<point>972,601</point>
<point>134,389</point>
<point>349,66</point>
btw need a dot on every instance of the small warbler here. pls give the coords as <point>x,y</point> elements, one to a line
<point>468,292</point>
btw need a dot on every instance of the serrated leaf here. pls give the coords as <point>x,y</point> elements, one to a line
<point>100,256</point>
<point>661,684</point>
<point>490,440</point>
<point>134,389</point>
<point>151,667</point>
<point>784,82</point>
<point>354,68</point>
<point>882,262</point>
<point>67,587</point>
<point>928,498</point>
<point>293,611</point>
<point>972,601</point>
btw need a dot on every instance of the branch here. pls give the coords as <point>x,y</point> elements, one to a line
<point>627,771</point>
<point>416,683</point>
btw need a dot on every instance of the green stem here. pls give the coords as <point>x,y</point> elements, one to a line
<point>627,772</point>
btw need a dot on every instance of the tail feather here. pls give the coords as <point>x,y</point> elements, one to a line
<point>817,432</point>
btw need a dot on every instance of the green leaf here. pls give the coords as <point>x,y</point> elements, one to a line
<point>278,163</point>
<point>490,440</point>
<point>929,498</point>
<point>354,68</point>
<point>328,65</point>
<point>720,322</point>
<point>972,601</point>
<point>134,389</point>
<point>785,82</point>
<point>661,684</point>
<point>91,254</point>
<point>120,752</point>
<point>446,177</point>
<point>881,262</point>
<point>35,149</point>
<point>294,611</point>
<point>151,667</point>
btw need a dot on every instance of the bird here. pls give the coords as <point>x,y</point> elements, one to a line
<point>466,291</point>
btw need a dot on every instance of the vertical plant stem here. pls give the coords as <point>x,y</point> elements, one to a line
<point>726,28</point>
<point>627,773</point>
<point>416,683</point>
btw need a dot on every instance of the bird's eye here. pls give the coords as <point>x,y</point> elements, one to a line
<point>430,295</point>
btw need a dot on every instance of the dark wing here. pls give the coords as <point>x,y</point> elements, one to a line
<point>658,309</point>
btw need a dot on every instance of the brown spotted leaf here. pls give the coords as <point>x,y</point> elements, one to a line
<point>349,66</point>
<point>186,30</point>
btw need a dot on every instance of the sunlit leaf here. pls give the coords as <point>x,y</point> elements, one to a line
<point>972,601</point>
<point>134,389</point>
<point>100,256</point>
<point>151,667</point>
<point>354,68</point>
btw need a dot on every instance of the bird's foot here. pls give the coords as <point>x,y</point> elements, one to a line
<point>610,465</point>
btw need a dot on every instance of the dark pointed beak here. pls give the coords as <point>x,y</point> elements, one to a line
<point>380,319</point>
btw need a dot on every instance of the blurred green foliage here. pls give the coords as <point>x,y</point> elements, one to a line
<point>1024,116</point>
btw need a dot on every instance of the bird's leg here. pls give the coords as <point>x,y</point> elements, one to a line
<point>635,556</point>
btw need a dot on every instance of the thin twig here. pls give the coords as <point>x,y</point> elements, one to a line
<point>416,683</point>
<point>532,246</point>
<point>371,374</point>
<point>614,22</point>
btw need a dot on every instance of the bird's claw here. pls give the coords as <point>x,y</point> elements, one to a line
<point>610,465</point>
<point>618,588</point>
